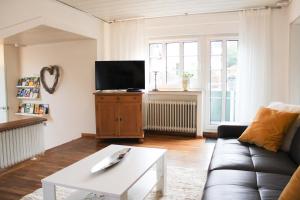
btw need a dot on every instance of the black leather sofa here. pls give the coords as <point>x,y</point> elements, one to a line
<point>241,171</point>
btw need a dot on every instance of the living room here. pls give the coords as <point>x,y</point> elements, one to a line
<point>202,94</point>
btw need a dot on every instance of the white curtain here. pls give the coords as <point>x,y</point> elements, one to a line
<point>294,68</point>
<point>254,80</point>
<point>127,40</point>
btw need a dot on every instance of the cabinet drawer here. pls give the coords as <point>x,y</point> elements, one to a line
<point>130,99</point>
<point>107,98</point>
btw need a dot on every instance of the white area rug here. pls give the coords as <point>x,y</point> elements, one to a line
<point>182,184</point>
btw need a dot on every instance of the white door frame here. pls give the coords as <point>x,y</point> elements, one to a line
<point>206,71</point>
<point>3,89</point>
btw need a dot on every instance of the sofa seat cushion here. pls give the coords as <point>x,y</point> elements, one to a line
<point>233,192</point>
<point>238,184</point>
<point>272,182</point>
<point>230,192</point>
<point>231,154</point>
<point>232,177</point>
<point>275,164</point>
<point>269,194</point>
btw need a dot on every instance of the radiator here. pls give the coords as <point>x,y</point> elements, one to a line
<point>170,115</point>
<point>20,144</point>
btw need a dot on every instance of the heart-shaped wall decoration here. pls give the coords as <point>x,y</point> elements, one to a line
<point>52,70</point>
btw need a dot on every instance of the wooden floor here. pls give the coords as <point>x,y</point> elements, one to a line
<point>26,177</point>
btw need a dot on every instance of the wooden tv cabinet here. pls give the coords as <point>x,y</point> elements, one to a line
<point>119,115</point>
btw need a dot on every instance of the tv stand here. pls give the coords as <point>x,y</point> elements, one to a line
<point>119,115</point>
<point>133,90</point>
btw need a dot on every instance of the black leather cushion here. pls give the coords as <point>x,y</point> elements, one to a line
<point>275,164</point>
<point>269,181</point>
<point>239,184</point>
<point>256,180</point>
<point>230,192</point>
<point>269,194</point>
<point>231,154</point>
<point>232,177</point>
<point>230,131</point>
<point>272,162</point>
<point>295,148</point>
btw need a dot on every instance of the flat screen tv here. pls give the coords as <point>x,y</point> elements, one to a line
<point>120,75</point>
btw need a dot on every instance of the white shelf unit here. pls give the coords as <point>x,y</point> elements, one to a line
<point>20,86</point>
<point>29,87</point>
<point>32,115</point>
<point>28,99</point>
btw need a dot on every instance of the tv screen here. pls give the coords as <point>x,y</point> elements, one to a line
<point>119,75</point>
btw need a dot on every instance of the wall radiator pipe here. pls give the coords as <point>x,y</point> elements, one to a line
<point>20,144</point>
<point>171,115</point>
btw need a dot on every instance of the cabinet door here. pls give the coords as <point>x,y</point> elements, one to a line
<point>107,119</point>
<point>131,119</point>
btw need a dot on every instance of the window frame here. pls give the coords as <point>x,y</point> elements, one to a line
<point>181,41</point>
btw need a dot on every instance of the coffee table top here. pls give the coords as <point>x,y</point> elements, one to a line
<point>114,181</point>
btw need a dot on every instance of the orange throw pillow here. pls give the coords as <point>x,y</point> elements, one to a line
<point>292,189</point>
<point>268,128</point>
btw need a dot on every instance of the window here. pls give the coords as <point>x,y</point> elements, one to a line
<point>223,74</point>
<point>171,60</point>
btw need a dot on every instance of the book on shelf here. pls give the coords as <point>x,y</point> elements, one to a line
<point>33,93</point>
<point>36,108</point>
<point>29,82</point>
<point>43,109</point>
<point>30,108</point>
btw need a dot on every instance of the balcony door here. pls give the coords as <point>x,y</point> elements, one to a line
<point>223,71</point>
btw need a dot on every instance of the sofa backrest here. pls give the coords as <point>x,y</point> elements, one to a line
<point>295,147</point>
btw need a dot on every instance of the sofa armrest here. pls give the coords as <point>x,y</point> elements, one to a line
<point>231,131</point>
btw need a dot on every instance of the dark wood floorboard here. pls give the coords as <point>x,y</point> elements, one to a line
<point>26,177</point>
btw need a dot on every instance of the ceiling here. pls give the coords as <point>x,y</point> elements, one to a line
<point>110,10</point>
<point>41,34</point>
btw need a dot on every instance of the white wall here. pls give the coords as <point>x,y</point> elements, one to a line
<point>12,67</point>
<point>72,105</point>
<point>192,25</point>
<point>294,10</point>
<point>18,16</point>
<point>171,27</point>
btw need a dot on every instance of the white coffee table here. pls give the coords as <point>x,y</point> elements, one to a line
<point>133,178</point>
